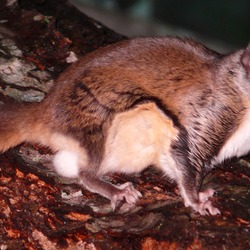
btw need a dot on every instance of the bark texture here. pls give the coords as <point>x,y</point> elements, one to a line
<point>39,210</point>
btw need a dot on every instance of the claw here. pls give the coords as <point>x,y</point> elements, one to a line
<point>113,202</point>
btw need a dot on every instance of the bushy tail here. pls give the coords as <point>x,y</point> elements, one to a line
<point>16,122</point>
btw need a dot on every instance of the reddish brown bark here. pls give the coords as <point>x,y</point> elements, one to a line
<point>39,210</point>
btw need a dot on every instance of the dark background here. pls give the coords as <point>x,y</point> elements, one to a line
<point>226,21</point>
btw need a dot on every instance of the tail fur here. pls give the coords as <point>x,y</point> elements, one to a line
<point>16,123</point>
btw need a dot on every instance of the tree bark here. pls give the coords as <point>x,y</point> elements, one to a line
<point>40,210</point>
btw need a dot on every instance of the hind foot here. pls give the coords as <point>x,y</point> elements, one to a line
<point>125,191</point>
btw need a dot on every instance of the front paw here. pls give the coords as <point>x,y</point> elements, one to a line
<point>206,208</point>
<point>206,194</point>
<point>125,191</point>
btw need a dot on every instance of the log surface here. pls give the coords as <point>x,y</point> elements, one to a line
<point>40,210</point>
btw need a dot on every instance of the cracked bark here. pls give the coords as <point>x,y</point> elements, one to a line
<point>40,210</point>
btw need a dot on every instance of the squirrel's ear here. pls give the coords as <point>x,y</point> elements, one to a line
<point>245,59</point>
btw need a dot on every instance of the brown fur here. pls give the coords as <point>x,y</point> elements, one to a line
<point>166,102</point>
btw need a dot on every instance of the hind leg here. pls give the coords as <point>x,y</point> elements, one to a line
<point>67,164</point>
<point>114,193</point>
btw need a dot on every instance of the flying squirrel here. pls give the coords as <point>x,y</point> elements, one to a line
<point>167,102</point>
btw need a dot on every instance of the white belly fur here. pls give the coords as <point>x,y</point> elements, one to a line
<point>238,144</point>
